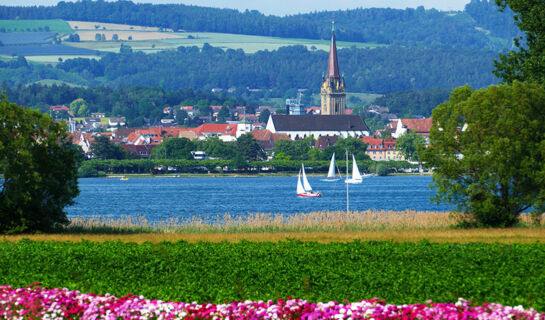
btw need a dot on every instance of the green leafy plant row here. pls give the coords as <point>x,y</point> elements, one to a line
<point>215,272</point>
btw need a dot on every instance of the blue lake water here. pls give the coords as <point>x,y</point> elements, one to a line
<point>206,197</point>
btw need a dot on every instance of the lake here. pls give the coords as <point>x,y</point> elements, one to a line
<point>207,197</point>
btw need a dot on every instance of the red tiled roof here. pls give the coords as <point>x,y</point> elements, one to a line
<point>186,108</point>
<point>224,129</point>
<point>312,109</point>
<point>377,144</point>
<point>60,108</point>
<point>418,125</point>
<point>263,135</point>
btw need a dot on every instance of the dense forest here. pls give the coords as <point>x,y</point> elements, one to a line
<point>413,103</point>
<point>430,28</point>
<point>381,70</point>
<point>134,103</point>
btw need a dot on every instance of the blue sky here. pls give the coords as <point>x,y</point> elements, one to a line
<point>283,7</point>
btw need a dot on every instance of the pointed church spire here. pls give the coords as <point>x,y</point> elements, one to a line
<point>333,65</point>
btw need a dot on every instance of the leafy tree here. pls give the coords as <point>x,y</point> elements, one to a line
<point>410,144</point>
<point>39,164</point>
<point>223,114</point>
<point>354,146</point>
<point>103,148</point>
<point>488,151</point>
<point>264,116</point>
<point>528,63</point>
<point>176,148</point>
<point>79,107</point>
<point>216,148</point>
<point>248,147</point>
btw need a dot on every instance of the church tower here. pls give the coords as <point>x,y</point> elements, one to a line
<point>333,91</point>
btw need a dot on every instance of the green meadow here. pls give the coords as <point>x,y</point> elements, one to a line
<point>250,44</point>
<point>55,25</point>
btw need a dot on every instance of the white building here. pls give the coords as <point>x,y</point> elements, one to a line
<point>300,127</point>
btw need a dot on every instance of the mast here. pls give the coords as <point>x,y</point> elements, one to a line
<point>347,202</point>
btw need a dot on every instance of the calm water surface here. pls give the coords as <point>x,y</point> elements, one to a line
<point>160,198</point>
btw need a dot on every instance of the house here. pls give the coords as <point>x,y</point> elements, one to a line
<point>420,126</point>
<point>382,149</point>
<point>326,141</point>
<point>114,122</point>
<point>225,132</point>
<point>300,127</point>
<point>84,140</point>
<point>314,110</point>
<point>97,115</point>
<point>267,139</point>
<point>190,110</point>
<point>58,109</point>
<point>140,151</point>
<point>168,121</point>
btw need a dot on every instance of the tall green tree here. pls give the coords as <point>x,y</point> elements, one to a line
<point>488,151</point>
<point>410,144</point>
<point>353,145</point>
<point>248,148</point>
<point>175,148</point>
<point>103,148</point>
<point>79,107</point>
<point>39,166</point>
<point>528,62</point>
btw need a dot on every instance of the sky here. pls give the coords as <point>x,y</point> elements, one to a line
<point>284,7</point>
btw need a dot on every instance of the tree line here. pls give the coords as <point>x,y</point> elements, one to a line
<point>380,70</point>
<point>377,25</point>
<point>136,103</point>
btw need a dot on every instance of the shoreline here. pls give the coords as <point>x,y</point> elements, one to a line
<point>238,175</point>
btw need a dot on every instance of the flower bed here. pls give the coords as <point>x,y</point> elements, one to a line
<point>34,302</point>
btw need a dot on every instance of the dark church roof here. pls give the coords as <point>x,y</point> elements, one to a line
<point>318,123</point>
<point>332,64</point>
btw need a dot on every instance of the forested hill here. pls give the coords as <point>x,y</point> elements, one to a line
<point>381,70</point>
<point>479,26</point>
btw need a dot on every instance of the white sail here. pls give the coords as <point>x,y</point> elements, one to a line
<point>356,175</point>
<point>306,185</point>
<point>300,189</point>
<point>331,172</point>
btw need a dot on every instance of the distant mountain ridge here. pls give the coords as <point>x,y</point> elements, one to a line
<point>472,28</point>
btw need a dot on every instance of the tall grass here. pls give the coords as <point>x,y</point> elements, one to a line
<point>321,221</point>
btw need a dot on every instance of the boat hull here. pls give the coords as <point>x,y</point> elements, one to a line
<point>309,194</point>
<point>353,181</point>
<point>330,180</point>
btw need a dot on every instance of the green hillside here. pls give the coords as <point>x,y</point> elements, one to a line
<point>55,25</point>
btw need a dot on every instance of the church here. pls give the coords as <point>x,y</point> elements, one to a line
<point>332,121</point>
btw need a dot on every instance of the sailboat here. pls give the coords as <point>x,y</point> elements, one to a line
<point>304,189</point>
<point>331,173</point>
<point>356,175</point>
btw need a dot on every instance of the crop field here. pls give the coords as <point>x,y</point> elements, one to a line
<point>124,35</point>
<point>86,25</point>
<point>50,82</point>
<point>54,59</point>
<point>42,50</point>
<point>18,38</point>
<point>151,40</point>
<point>215,272</point>
<point>55,25</point>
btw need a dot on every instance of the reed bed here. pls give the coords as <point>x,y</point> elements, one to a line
<point>321,221</point>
